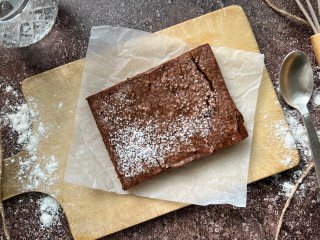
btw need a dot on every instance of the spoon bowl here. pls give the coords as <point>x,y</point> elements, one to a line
<point>296,80</point>
<point>296,85</point>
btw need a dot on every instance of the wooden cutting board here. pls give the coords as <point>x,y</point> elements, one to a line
<point>94,213</point>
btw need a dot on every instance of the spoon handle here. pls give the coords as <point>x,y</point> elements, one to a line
<point>314,142</point>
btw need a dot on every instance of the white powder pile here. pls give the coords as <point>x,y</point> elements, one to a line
<point>49,211</point>
<point>300,136</point>
<point>316,99</point>
<point>284,134</point>
<point>294,137</point>
<point>10,89</point>
<point>287,161</point>
<point>34,169</point>
<point>52,166</point>
<point>20,121</point>
<point>287,187</point>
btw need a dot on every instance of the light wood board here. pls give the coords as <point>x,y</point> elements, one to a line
<point>93,213</point>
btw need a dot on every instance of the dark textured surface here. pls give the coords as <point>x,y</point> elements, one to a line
<point>67,41</point>
<point>24,219</point>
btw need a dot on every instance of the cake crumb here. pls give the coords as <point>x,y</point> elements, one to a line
<point>60,106</point>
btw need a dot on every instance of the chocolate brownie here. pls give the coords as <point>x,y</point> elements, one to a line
<point>167,116</point>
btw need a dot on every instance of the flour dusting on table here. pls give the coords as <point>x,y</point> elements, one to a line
<point>49,211</point>
<point>33,168</point>
<point>287,187</point>
<point>287,161</point>
<point>316,99</point>
<point>294,137</point>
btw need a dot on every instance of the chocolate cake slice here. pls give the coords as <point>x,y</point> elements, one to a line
<point>167,116</point>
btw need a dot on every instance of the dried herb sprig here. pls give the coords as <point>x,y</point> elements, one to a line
<point>290,197</point>
<point>286,13</point>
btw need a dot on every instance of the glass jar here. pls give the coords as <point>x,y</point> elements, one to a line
<point>24,22</point>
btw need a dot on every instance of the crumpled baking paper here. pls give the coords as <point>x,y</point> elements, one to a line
<point>115,54</point>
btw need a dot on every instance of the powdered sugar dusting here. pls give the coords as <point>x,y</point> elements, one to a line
<point>287,187</point>
<point>147,122</point>
<point>33,169</point>
<point>9,89</point>
<point>294,137</point>
<point>150,148</point>
<point>287,161</point>
<point>20,122</point>
<point>49,211</point>
<point>316,99</point>
<point>52,166</point>
<point>283,133</point>
<point>300,135</point>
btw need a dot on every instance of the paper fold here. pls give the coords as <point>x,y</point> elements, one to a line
<point>115,54</point>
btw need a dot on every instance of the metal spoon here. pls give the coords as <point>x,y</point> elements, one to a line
<point>296,85</point>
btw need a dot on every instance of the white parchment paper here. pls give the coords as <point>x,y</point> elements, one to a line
<point>115,54</point>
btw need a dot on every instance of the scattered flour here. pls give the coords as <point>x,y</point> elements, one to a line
<point>302,190</point>
<point>52,166</point>
<point>20,121</point>
<point>286,188</point>
<point>49,210</point>
<point>287,161</point>
<point>34,169</point>
<point>316,99</point>
<point>294,137</point>
<point>284,134</point>
<point>9,89</point>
